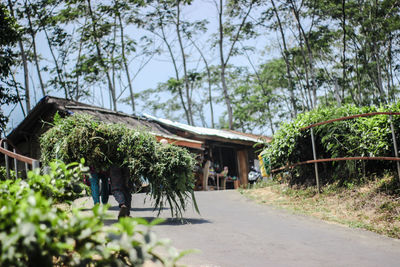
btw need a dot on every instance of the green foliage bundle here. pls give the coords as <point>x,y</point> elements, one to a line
<point>171,173</point>
<point>365,136</point>
<point>168,168</point>
<point>37,233</point>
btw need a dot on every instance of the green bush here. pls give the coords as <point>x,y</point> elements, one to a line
<point>365,136</point>
<point>64,181</point>
<point>168,168</point>
<point>34,232</point>
<point>3,173</point>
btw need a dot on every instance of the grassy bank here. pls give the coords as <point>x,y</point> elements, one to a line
<point>374,205</point>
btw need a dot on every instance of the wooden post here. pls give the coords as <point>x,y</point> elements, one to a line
<point>396,152</point>
<point>15,165</point>
<point>7,162</point>
<point>315,158</point>
<point>35,164</point>
<point>242,160</point>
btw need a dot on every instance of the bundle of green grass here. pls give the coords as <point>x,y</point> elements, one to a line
<point>168,168</point>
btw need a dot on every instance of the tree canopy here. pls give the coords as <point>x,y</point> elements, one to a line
<point>9,36</point>
<point>246,65</point>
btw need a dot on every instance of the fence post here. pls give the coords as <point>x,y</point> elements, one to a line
<point>396,152</point>
<point>7,162</point>
<point>35,164</point>
<point>15,164</point>
<point>315,158</point>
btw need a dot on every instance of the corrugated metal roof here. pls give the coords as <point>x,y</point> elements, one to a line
<point>206,131</point>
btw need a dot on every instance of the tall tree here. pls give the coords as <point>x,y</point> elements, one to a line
<point>120,9</point>
<point>9,37</point>
<point>236,27</point>
<point>261,97</point>
<point>183,55</point>
<point>99,49</point>
<point>285,55</point>
<point>209,79</point>
<point>32,32</point>
<point>24,63</point>
<point>166,22</point>
<point>157,22</point>
<point>303,36</point>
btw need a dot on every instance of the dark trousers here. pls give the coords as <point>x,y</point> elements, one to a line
<point>120,185</point>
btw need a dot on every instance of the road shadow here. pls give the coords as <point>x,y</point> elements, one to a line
<point>178,221</point>
<point>138,209</point>
<point>168,221</point>
<point>108,222</point>
<point>85,209</point>
<point>148,209</point>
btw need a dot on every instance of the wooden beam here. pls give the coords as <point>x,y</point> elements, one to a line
<point>17,156</point>
<point>185,143</point>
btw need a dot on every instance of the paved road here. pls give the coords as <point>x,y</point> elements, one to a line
<point>234,231</point>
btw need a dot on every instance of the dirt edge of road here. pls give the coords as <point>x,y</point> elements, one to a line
<point>367,206</point>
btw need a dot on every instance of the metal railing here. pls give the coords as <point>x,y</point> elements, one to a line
<point>315,160</point>
<point>5,146</point>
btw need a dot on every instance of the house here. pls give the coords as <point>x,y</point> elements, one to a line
<point>229,148</point>
<point>223,147</point>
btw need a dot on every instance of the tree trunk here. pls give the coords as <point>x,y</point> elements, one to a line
<point>309,52</point>
<point>303,91</point>
<point>379,74</point>
<point>209,94</point>
<point>99,54</point>
<point>358,78</point>
<point>306,70</point>
<point>270,118</point>
<point>125,62</point>
<point>391,87</point>
<point>208,80</point>
<point>223,65</point>
<point>287,63</point>
<point>260,82</point>
<point>18,96</point>
<point>59,76</point>
<point>25,65</point>
<point>344,48</point>
<point>112,55</point>
<point>164,38</point>
<point>188,98</point>
<point>77,89</point>
<point>35,56</point>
